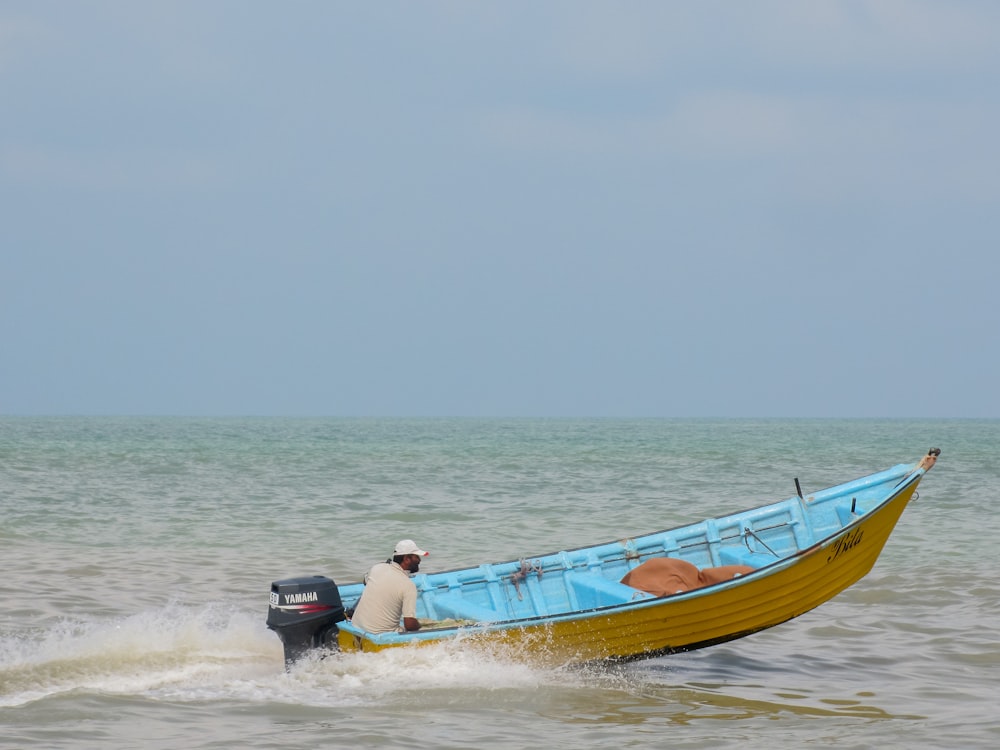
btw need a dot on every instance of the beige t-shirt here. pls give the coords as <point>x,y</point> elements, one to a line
<point>389,595</point>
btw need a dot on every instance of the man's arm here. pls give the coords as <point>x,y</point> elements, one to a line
<point>410,622</point>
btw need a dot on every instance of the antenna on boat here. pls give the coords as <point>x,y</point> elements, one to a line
<point>798,488</point>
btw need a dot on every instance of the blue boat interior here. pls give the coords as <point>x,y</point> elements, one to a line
<point>568,582</point>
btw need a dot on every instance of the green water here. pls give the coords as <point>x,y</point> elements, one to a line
<point>137,556</point>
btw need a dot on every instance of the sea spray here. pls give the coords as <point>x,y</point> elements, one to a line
<point>133,654</point>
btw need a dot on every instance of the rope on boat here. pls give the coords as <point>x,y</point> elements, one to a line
<point>522,574</point>
<point>747,533</point>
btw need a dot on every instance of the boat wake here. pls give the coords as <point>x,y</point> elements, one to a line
<point>180,653</point>
<point>135,655</point>
<point>222,654</point>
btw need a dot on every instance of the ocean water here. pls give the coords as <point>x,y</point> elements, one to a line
<point>136,556</point>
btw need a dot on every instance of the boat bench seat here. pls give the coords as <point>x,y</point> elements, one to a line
<point>746,557</point>
<point>593,590</point>
<point>453,605</point>
<point>846,515</point>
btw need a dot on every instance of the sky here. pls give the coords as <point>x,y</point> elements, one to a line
<point>556,209</point>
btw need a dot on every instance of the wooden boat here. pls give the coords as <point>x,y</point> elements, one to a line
<point>572,606</point>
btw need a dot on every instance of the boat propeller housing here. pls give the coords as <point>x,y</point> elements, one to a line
<point>304,612</point>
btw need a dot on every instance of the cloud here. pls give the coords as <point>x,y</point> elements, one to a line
<point>107,169</point>
<point>643,39</point>
<point>830,143</point>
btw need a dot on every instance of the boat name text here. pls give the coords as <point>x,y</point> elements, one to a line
<point>846,542</point>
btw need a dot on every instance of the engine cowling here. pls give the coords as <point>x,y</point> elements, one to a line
<point>304,612</point>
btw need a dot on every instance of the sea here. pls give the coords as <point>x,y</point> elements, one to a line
<point>136,557</point>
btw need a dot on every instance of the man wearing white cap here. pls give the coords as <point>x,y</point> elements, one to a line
<point>389,593</point>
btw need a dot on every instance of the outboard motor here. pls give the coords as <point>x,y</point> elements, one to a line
<point>304,612</point>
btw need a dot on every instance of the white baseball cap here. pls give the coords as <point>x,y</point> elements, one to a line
<point>409,547</point>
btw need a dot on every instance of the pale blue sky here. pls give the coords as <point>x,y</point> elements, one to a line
<point>731,209</point>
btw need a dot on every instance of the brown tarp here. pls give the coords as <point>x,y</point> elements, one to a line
<point>663,576</point>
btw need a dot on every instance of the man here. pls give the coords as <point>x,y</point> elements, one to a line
<point>389,593</point>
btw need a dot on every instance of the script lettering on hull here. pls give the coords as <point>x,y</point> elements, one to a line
<point>845,543</point>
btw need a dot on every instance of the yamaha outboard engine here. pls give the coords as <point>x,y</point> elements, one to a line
<point>304,612</point>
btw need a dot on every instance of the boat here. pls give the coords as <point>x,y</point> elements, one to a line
<point>659,593</point>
